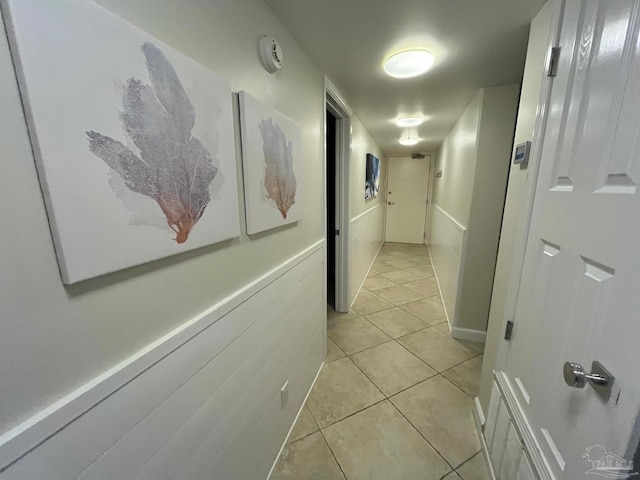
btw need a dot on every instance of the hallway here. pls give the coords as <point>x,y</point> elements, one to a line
<point>394,398</point>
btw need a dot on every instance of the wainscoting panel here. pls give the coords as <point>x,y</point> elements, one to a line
<point>208,408</point>
<point>509,444</point>
<point>447,246</point>
<point>367,235</point>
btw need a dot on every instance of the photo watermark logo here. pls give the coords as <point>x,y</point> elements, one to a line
<point>607,464</point>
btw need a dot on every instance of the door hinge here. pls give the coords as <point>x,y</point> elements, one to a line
<point>509,330</point>
<point>337,232</point>
<point>554,60</point>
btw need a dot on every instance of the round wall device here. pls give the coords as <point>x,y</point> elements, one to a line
<point>270,54</point>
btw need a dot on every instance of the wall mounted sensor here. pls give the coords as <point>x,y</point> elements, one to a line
<point>521,153</point>
<point>270,54</point>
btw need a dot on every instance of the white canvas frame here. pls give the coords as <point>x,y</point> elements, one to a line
<point>270,155</point>
<point>73,60</point>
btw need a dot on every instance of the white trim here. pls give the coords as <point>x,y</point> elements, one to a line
<point>478,418</point>
<point>469,335</point>
<point>284,444</point>
<point>364,214</point>
<point>365,277</point>
<point>522,426</point>
<point>457,224</point>
<point>334,100</point>
<point>21,439</point>
<point>333,91</point>
<point>524,222</point>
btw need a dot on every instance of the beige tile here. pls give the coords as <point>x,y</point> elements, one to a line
<point>333,351</point>
<point>474,469</point>
<point>442,413</point>
<point>400,276</point>
<point>379,443</point>
<point>401,263</point>
<point>398,295</point>
<point>444,328</point>
<point>356,334</point>
<point>422,260</point>
<point>478,347</point>
<point>380,267</point>
<point>368,302</point>
<point>452,476</point>
<point>395,322</point>
<point>335,317</point>
<point>423,271</point>
<point>307,458</point>
<point>429,310</point>
<point>391,367</point>
<point>401,253</point>
<point>383,257</point>
<point>374,282</point>
<point>341,390</point>
<point>466,375</point>
<point>427,287</point>
<point>439,350</point>
<point>305,425</point>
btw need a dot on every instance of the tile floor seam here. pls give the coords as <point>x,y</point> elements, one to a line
<point>333,455</point>
<point>425,438</point>
<point>454,384</point>
<point>356,412</point>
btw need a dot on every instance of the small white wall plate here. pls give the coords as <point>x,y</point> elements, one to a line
<point>270,54</point>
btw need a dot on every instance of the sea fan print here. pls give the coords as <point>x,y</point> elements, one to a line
<point>174,168</point>
<point>279,179</point>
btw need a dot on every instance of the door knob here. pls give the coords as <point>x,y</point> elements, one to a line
<point>599,378</point>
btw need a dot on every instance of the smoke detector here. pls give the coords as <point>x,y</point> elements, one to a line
<point>270,54</point>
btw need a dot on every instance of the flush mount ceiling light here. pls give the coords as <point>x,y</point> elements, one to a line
<point>409,63</point>
<point>408,121</point>
<point>408,141</point>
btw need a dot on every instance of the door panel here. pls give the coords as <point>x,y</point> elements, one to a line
<point>579,296</point>
<point>407,188</point>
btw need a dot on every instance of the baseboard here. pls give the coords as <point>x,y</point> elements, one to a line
<point>284,444</point>
<point>477,336</point>
<point>365,277</point>
<point>85,401</point>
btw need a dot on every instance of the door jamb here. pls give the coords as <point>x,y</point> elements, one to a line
<point>524,223</point>
<point>335,103</point>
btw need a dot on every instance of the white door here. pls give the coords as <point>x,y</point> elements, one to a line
<point>407,187</point>
<point>579,296</point>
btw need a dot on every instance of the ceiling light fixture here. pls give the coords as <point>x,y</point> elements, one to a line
<point>408,141</point>
<point>408,121</point>
<point>409,63</point>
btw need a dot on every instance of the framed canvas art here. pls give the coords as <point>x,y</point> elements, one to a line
<point>270,150</point>
<point>133,140</point>
<point>372,177</point>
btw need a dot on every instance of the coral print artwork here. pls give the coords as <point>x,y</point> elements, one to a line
<point>135,150</point>
<point>270,143</point>
<point>174,168</point>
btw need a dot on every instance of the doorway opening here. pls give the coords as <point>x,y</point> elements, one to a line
<point>337,221</point>
<point>331,176</point>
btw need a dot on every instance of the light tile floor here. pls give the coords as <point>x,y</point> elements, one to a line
<point>394,398</point>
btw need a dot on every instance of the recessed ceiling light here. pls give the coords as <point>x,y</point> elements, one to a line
<point>408,121</point>
<point>409,63</point>
<point>408,141</point>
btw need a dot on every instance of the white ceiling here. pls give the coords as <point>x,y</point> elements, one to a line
<point>477,43</point>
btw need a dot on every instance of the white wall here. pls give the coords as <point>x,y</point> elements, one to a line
<point>457,159</point>
<point>474,159</point>
<point>497,123</point>
<point>58,341</point>
<point>367,216</point>
<point>516,193</point>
